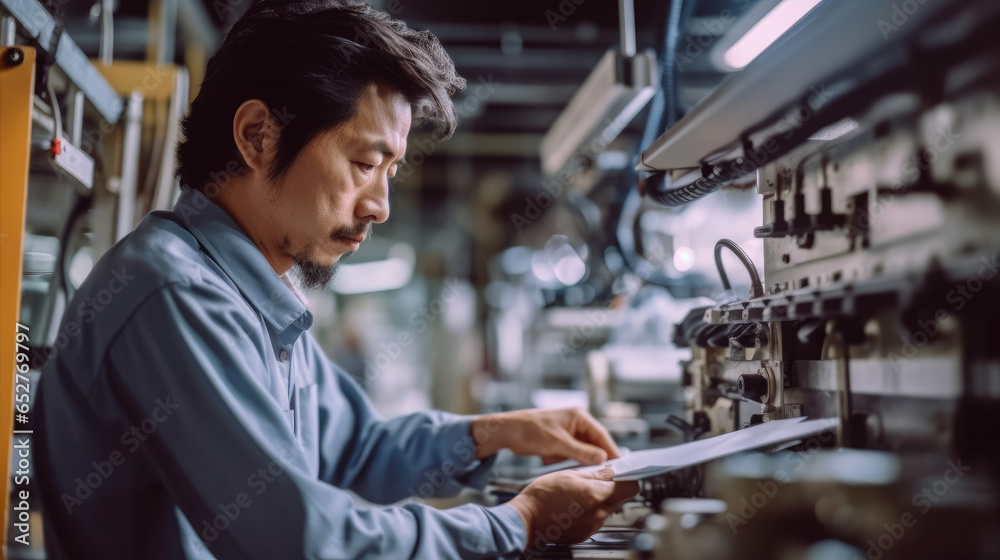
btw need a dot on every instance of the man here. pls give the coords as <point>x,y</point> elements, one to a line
<point>188,412</point>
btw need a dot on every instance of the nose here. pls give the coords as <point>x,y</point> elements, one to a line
<point>373,205</point>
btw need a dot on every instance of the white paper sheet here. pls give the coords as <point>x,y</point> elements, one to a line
<point>637,465</point>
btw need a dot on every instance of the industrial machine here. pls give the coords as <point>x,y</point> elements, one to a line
<point>815,235</point>
<point>870,133</point>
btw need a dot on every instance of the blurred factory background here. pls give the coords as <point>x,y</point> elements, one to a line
<point>527,263</point>
<point>483,261</point>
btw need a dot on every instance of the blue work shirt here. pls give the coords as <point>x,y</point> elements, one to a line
<point>188,412</point>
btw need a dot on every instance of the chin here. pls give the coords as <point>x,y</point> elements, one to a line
<point>315,274</point>
<point>332,259</point>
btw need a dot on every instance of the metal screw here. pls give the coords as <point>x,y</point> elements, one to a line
<point>15,56</point>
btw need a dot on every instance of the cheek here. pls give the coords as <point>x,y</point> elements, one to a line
<point>326,196</point>
<point>317,197</point>
<point>342,192</point>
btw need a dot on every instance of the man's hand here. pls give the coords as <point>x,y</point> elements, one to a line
<point>567,506</point>
<point>554,434</point>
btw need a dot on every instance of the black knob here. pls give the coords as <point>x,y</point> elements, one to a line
<point>752,386</point>
<point>15,56</point>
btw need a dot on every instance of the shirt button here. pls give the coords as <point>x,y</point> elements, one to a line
<point>283,356</point>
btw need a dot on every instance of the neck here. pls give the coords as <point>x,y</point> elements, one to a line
<point>257,225</point>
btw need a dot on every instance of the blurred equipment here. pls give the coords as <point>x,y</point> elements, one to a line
<point>872,132</point>
<point>614,93</point>
<point>87,150</point>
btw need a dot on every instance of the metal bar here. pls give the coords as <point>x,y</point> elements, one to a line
<point>17,87</point>
<point>843,358</point>
<point>73,127</point>
<point>166,36</point>
<point>167,184</point>
<point>194,23</point>
<point>107,42</point>
<point>38,24</point>
<point>129,185</point>
<point>8,30</point>
<point>626,22</point>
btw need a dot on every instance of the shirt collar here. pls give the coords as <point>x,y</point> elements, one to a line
<point>234,252</point>
<point>286,278</point>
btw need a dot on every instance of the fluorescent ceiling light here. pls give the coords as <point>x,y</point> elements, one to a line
<point>835,130</point>
<point>766,31</point>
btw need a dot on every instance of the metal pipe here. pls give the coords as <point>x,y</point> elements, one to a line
<point>8,30</point>
<point>626,22</point>
<point>74,115</point>
<point>167,34</point>
<point>194,23</point>
<point>843,357</point>
<point>107,43</point>
<point>167,184</point>
<point>128,186</point>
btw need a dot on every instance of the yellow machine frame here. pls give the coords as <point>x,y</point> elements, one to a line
<point>17,85</point>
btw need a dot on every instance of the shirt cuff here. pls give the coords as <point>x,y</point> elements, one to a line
<point>460,447</point>
<point>509,530</point>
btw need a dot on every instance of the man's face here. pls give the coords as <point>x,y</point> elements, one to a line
<point>338,186</point>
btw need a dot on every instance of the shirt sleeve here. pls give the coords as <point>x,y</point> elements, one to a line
<point>437,448</point>
<point>183,371</point>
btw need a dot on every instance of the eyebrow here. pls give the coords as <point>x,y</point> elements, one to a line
<point>381,146</point>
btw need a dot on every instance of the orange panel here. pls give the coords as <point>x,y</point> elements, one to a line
<point>17,84</point>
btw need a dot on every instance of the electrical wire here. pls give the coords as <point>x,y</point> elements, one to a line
<point>756,287</point>
<point>56,112</point>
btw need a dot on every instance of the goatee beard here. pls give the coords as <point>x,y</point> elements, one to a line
<point>310,275</point>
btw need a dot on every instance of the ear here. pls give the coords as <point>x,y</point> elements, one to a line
<point>256,134</point>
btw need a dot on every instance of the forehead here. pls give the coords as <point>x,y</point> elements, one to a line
<point>383,114</point>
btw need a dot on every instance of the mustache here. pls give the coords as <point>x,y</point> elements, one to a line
<point>360,230</point>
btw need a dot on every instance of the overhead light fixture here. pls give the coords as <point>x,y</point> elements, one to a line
<point>766,31</point>
<point>835,130</point>
<point>683,259</point>
<point>612,95</point>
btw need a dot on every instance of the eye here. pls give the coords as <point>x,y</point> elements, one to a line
<point>366,167</point>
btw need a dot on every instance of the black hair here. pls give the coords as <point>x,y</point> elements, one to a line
<point>310,62</point>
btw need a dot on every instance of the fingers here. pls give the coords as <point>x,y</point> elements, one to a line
<point>623,491</point>
<point>596,433</point>
<point>585,453</point>
<point>606,474</point>
<point>609,492</point>
<point>601,492</point>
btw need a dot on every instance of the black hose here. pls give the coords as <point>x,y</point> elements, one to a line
<point>662,114</point>
<point>80,207</point>
<point>714,177</point>
<point>668,73</point>
<point>756,287</point>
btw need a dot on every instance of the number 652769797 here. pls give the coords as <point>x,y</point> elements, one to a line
<point>22,384</point>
